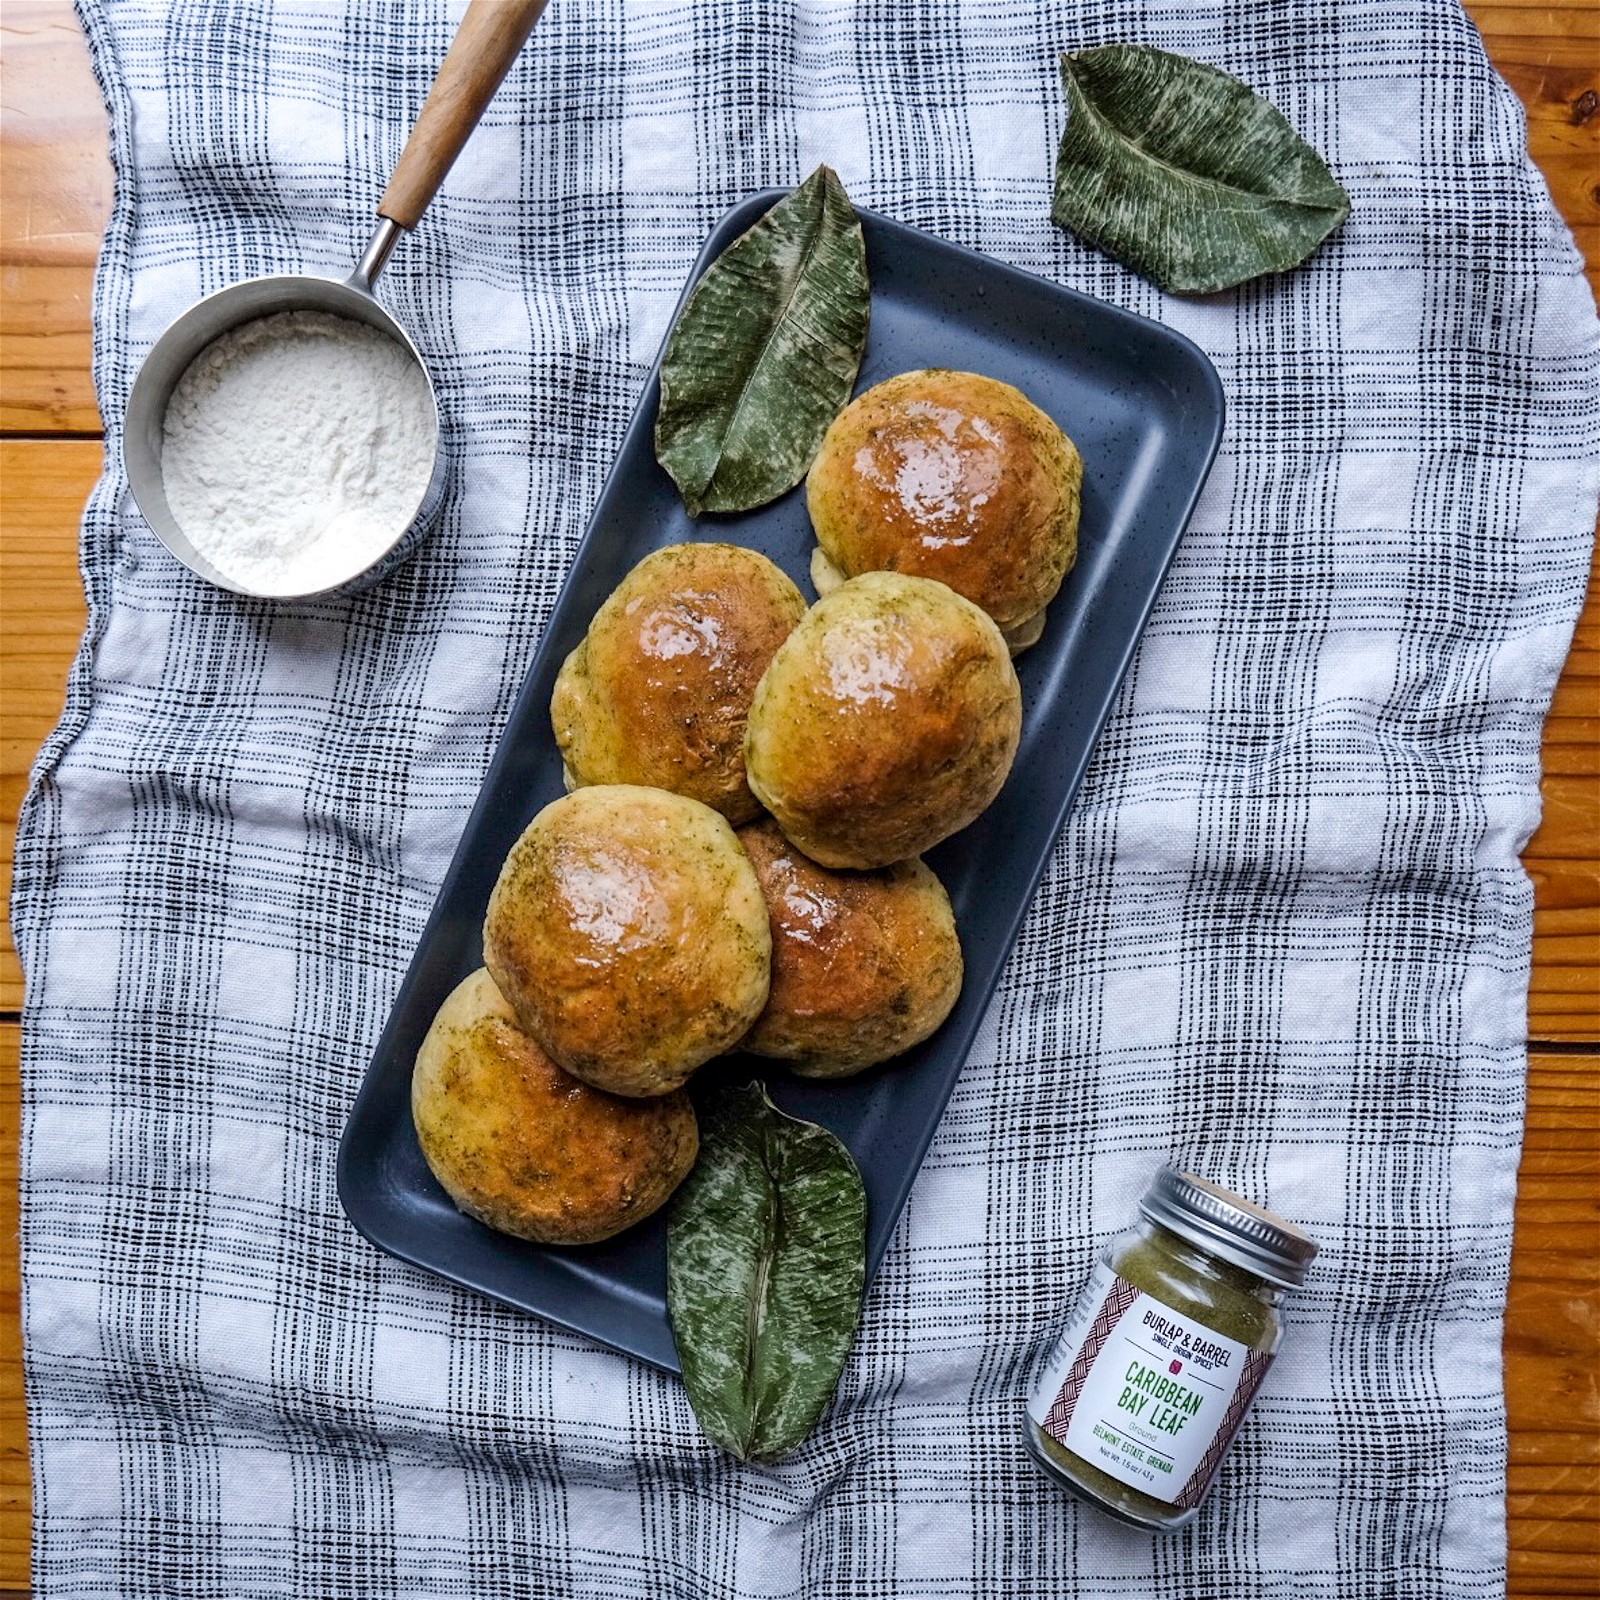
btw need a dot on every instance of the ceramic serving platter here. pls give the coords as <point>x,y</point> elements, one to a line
<point>1146,410</point>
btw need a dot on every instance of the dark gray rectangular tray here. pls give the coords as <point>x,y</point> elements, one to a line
<point>1146,409</point>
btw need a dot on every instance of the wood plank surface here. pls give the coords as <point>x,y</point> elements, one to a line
<point>1563,857</point>
<point>43,485</point>
<point>1553,1335</point>
<point>54,194</point>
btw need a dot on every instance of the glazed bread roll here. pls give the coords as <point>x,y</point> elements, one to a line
<point>864,964</point>
<point>628,932</point>
<point>660,688</point>
<point>887,721</point>
<point>522,1146</point>
<point>953,476</point>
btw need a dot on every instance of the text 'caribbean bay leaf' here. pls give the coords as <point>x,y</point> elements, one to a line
<point>1186,174</point>
<point>765,352</point>
<point>766,1257</point>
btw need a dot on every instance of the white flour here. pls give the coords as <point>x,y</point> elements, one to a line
<point>296,448</point>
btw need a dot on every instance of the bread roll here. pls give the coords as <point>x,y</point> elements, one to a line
<point>628,932</point>
<point>525,1148</point>
<point>953,476</point>
<point>887,721</point>
<point>864,964</point>
<point>660,688</point>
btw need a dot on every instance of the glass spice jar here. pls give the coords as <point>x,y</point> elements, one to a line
<point>1160,1360</point>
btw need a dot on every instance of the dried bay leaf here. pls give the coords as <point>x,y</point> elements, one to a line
<point>1185,174</point>
<point>766,1258</point>
<point>765,352</point>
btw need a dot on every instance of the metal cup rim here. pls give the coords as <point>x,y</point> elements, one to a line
<point>199,326</point>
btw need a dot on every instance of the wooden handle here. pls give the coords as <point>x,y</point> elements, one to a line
<point>485,45</point>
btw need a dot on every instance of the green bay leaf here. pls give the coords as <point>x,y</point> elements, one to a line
<point>766,1259</point>
<point>765,352</point>
<point>1185,174</point>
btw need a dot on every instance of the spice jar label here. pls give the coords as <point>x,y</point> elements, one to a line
<point>1145,1394</point>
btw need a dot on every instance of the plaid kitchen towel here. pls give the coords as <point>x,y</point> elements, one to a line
<point>1285,938</point>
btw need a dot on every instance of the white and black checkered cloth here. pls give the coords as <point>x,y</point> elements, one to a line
<point>1285,938</point>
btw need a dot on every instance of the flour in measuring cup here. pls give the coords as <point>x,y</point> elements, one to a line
<point>296,448</point>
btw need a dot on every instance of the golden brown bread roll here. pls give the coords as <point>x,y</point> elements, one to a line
<point>628,932</point>
<point>953,476</point>
<point>660,688</point>
<point>864,964</point>
<point>519,1144</point>
<point>887,721</point>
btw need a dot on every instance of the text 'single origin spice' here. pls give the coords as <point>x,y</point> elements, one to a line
<point>1160,1360</point>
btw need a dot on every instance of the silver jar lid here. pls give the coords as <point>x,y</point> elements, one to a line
<point>1229,1226</point>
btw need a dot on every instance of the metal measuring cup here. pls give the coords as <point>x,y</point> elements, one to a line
<point>487,42</point>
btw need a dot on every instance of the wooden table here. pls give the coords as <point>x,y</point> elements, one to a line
<point>55,191</point>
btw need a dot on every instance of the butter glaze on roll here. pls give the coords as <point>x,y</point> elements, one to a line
<point>525,1147</point>
<point>864,964</point>
<point>951,476</point>
<point>887,721</point>
<point>659,690</point>
<point>628,932</point>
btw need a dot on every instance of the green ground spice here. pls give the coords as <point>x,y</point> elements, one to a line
<point>1214,1293</point>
